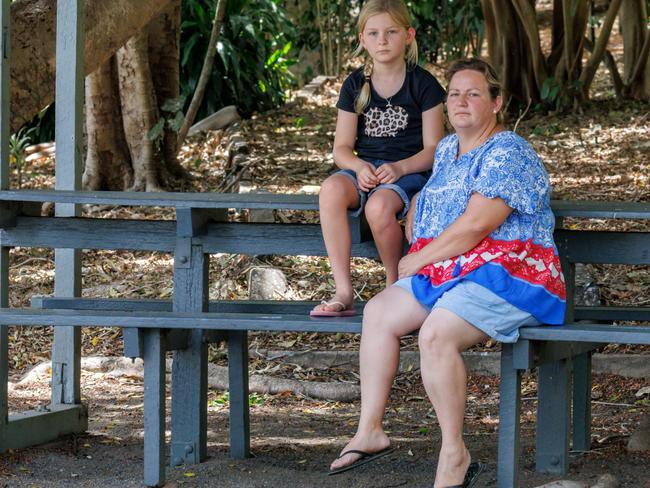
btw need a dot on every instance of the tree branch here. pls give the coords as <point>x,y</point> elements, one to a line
<point>208,63</point>
<point>588,74</point>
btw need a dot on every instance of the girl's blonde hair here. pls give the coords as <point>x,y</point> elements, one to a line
<point>400,14</point>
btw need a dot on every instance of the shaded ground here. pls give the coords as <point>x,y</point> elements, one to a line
<point>296,453</point>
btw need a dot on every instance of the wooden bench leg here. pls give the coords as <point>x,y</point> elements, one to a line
<point>553,419</point>
<point>509,410</point>
<point>238,387</point>
<point>582,402</point>
<point>189,402</point>
<point>154,408</point>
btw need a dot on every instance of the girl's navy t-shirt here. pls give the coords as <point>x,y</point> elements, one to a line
<point>391,129</point>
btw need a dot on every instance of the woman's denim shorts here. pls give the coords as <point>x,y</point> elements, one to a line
<point>405,187</point>
<point>482,308</point>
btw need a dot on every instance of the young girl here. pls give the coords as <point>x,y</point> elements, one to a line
<point>389,123</point>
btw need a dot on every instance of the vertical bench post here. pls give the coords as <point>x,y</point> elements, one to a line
<point>553,419</point>
<point>66,351</point>
<point>5,49</point>
<point>154,407</point>
<point>509,415</point>
<point>238,388</point>
<point>582,402</point>
<point>190,366</point>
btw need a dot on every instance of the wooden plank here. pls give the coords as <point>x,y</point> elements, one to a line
<point>82,233</point>
<point>190,366</point>
<point>4,344</point>
<point>167,199</point>
<point>70,31</point>
<point>238,398</point>
<point>154,408</point>
<point>561,208</point>
<point>32,428</point>
<point>509,421</point>
<point>601,333</point>
<point>180,320</point>
<point>5,93</point>
<point>610,314</point>
<point>601,209</point>
<point>582,402</point>
<point>604,247</point>
<point>279,239</point>
<point>553,417</point>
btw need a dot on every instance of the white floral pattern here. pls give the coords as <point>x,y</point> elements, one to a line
<point>505,166</point>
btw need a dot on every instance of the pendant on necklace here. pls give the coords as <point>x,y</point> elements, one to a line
<point>388,104</point>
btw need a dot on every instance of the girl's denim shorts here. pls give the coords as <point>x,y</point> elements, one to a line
<point>405,187</point>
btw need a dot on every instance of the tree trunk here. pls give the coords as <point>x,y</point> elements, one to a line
<point>636,44</point>
<point>108,26</point>
<point>108,163</point>
<point>164,60</point>
<point>139,110</point>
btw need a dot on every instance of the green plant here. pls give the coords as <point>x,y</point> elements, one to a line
<point>448,29</point>
<point>17,145</point>
<point>254,54</point>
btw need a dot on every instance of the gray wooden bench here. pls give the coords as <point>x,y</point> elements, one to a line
<point>188,322</point>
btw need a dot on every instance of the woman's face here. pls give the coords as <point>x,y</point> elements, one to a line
<point>469,104</point>
<point>384,39</point>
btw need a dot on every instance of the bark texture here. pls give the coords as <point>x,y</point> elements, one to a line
<point>109,24</point>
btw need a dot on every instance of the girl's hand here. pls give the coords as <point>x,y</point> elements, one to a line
<point>409,265</point>
<point>389,173</point>
<point>366,178</point>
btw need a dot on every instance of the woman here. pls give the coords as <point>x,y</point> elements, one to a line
<point>482,264</point>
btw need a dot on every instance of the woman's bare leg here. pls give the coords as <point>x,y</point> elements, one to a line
<point>337,195</point>
<point>381,210</point>
<point>387,317</point>
<point>442,338</point>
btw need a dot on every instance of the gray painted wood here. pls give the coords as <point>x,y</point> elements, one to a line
<point>601,209</point>
<point>604,247</point>
<point>553,417</point>
<point>561,208</point>
<point>82,233</point>
<point>602,333</point>
<point>509,421</point>
<point>5,46</point>
<point>31,428</point>
<point>154,408</point>
<point>4,343</point>
<point>167,199</point>
<point>190,366</point>
<point>5,93</point>
<point>238,394</point>
<point>611,314</point>
<point>66,349</point>
<point>582,402</point>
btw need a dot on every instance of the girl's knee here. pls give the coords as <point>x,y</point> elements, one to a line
<point>336,190</point>
<point>380,210</point>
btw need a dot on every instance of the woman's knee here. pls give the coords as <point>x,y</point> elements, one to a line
<point>434,340</point>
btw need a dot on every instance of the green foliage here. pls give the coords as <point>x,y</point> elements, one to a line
<point>447,29</point>
<point>17,145</point>
<point>558,95</point>
<point>254,400</point>
<point>172,116</point>
<point>254,53</point>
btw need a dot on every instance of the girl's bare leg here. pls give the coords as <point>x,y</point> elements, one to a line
<point>442,338</point>
<point>337,195</point>
<point>388,316</point>
<point>381,209</point>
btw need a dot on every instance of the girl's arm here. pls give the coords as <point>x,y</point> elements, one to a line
<point>432,131</point>
<point>482,216</point>
<point>344,157</point>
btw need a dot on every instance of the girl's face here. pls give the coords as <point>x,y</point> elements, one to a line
<point>469,103</point>
<point>384,39</point>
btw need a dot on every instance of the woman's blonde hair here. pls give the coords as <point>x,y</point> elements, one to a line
<point>400,14</point>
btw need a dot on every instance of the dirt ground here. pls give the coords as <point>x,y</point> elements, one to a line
<point>294,439</point>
